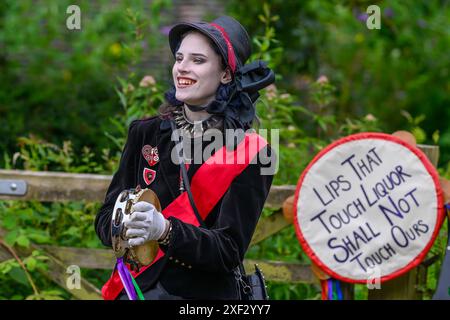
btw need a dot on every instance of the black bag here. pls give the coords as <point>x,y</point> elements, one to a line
<point>251,287</point>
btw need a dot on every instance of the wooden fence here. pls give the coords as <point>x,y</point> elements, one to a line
<point>56,187</point>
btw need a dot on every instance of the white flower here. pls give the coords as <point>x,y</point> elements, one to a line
<point>322,80</point>
<point>147,81</point>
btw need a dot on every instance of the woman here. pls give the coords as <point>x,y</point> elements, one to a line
<point>213,91</point>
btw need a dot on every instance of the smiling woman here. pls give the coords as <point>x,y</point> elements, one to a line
<point>198,71</point>
<point>208,210</point>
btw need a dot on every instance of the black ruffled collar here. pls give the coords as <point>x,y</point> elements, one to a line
<point>235,101</point>
<point>228,104</point>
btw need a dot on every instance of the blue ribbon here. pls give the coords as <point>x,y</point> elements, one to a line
<point>330,289</point>
<point>338,290</point>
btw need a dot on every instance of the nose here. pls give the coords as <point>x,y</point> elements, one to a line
<point>182,66</point>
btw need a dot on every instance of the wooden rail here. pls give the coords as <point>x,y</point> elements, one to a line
<point>58,187</point>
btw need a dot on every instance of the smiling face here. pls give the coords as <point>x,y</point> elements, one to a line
<point>197,71</point>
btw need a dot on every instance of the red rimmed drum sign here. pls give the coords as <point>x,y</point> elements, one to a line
<point>369,205</point>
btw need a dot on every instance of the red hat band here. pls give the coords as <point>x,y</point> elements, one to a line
<point>231,55</point>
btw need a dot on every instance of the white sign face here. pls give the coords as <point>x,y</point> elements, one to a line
<point>368,202</point>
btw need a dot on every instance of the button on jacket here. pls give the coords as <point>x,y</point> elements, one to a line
<point>198,262</point>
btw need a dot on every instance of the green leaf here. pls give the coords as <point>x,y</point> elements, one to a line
<point>7,265</point>
<point>266,9</point>
<point>419,134</point>
<point>9,221</point>
<point>419,119</point>
<point>123,99</point>
<point>38,236</point>
<point>407,115</point>
<point>435,137</point>
<point>23,241</point>
<point>31,263</point>
<point>72,231</point>
<point>36,253</point>
<point>53,292</point>
<point>20,276</point>
<point>11,237</point>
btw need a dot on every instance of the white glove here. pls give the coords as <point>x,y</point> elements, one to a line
<point>145,224</point>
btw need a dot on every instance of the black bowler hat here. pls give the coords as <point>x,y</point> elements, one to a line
<point>227,33</point>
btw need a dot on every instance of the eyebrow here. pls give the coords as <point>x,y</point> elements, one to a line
<point>193,54</point>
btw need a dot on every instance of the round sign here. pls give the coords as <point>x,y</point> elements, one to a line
<point>369,205</point>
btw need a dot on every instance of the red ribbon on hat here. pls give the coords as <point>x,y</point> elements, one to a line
<point>231,55</point>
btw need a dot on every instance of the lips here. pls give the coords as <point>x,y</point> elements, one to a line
<point>183,82</point>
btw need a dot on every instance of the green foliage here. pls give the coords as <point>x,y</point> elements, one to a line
<point>71,224</point>
<point>138,99</point>
<point>38,155</point>
<point>68,224</point>
<point>268,46</point>
<point>402,66</point>
<point>55,82</point>
<point>414,126</point>
<point>69,97</point>
<point>16,280</point>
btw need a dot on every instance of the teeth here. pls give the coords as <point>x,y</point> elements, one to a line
<point>185,82</point>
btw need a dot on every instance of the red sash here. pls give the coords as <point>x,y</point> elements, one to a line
<point>208,185</point>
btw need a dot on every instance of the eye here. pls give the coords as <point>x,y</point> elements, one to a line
<point>198,60</point>
<point>178,58</point>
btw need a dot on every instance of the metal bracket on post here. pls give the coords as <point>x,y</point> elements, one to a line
<point>13,187</point>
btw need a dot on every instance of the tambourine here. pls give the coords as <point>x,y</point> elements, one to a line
<point>140,255</point>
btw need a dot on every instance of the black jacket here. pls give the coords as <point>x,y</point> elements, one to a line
<point>198,262</point>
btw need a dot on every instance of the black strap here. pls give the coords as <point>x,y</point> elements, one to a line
<point>185,179</point>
